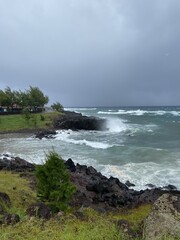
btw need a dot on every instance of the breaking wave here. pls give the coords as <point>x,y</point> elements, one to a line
<point>139,112</point>
<point>116,125</point>
<point>142,174</point>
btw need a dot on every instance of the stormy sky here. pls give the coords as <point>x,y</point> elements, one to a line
<point>93,52</point>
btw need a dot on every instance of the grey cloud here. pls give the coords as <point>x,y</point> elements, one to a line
<point>99,52</point>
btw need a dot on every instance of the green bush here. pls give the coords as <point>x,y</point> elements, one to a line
<point>42,117</point>
<point>53,183</point>
<point>57,107</point>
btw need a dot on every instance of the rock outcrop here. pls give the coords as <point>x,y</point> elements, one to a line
<point>76,121</point>
<point>47,133</point>
<point>102,193</point>
<point>18,164</point>
<point>164,220</point>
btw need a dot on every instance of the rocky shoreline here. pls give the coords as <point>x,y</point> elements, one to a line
<point>104,195</point>
<point>93,189</point>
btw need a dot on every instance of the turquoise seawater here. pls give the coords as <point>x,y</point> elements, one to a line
<point>141,144</point>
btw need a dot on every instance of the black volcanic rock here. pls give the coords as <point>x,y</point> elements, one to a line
<point>47,133</point>
<point>76,121</point>
<point>100,192</point>
<point>15,164</point>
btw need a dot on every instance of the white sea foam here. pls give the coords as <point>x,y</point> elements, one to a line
<point>142,174</point>
<point>80,109</point>
<point>66,137</point>
<point>123,112</point>
<point>139,112</point>
<point>116,125</point>
<point>175,113</point>
<point>93,144</point>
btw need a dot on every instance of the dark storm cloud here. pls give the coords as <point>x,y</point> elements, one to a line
<point>98,52</point>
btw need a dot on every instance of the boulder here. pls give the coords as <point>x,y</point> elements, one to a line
<point>40,210</point>
<point>164,219</point>
<point>76,121</point>
<point>10,219</point>
<point>47,133</point>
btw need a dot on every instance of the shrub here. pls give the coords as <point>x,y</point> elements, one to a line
<point>42,117</point>
<point>53,183</point>
<point>57,107</point>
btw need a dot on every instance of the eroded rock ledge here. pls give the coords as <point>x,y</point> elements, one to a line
<point>76,121</point>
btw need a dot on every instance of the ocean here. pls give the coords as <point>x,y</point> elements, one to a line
<point>141,144</point>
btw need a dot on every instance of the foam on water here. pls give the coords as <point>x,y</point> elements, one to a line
<point>66,136</point>
<point>142,174</point>
<point>139,112</point>
<point>175,113</point>
<point>92,144</point>
<point>122,112</point>
<point>80,109</point>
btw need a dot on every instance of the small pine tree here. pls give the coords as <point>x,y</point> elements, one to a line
<point>53,182</point>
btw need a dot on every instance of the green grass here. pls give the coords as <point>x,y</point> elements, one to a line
<point>19,191</point>
<point>18,122</point>
<point>68,228</point>
<point>93,225</point>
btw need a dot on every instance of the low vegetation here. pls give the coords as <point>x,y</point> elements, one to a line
<point>90,226</point>
<point>23,121</point>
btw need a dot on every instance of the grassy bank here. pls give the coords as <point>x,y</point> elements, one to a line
<point>92,226</point>
<point>19,122</point>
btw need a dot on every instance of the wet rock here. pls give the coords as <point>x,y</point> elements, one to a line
<point>49,134</point>
<point>40,210</point>
<point>115,181</point>
<point>81,168</point>
<point>76,121</point>
<point>164,220</point>
<point>91,171</point>
<point>170,187</point>
<point>70,165</point>
<point>15,164</point>
<point>129,184</point>
<point>149,185</point>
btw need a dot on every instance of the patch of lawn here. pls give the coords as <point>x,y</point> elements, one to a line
<point>19,191</point>
<point>18,122</point>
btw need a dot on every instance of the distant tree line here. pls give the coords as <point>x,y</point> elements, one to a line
<point>32,99</point>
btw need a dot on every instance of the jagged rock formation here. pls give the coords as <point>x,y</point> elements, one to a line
<point>76,121</point>
<point>102,193</point>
